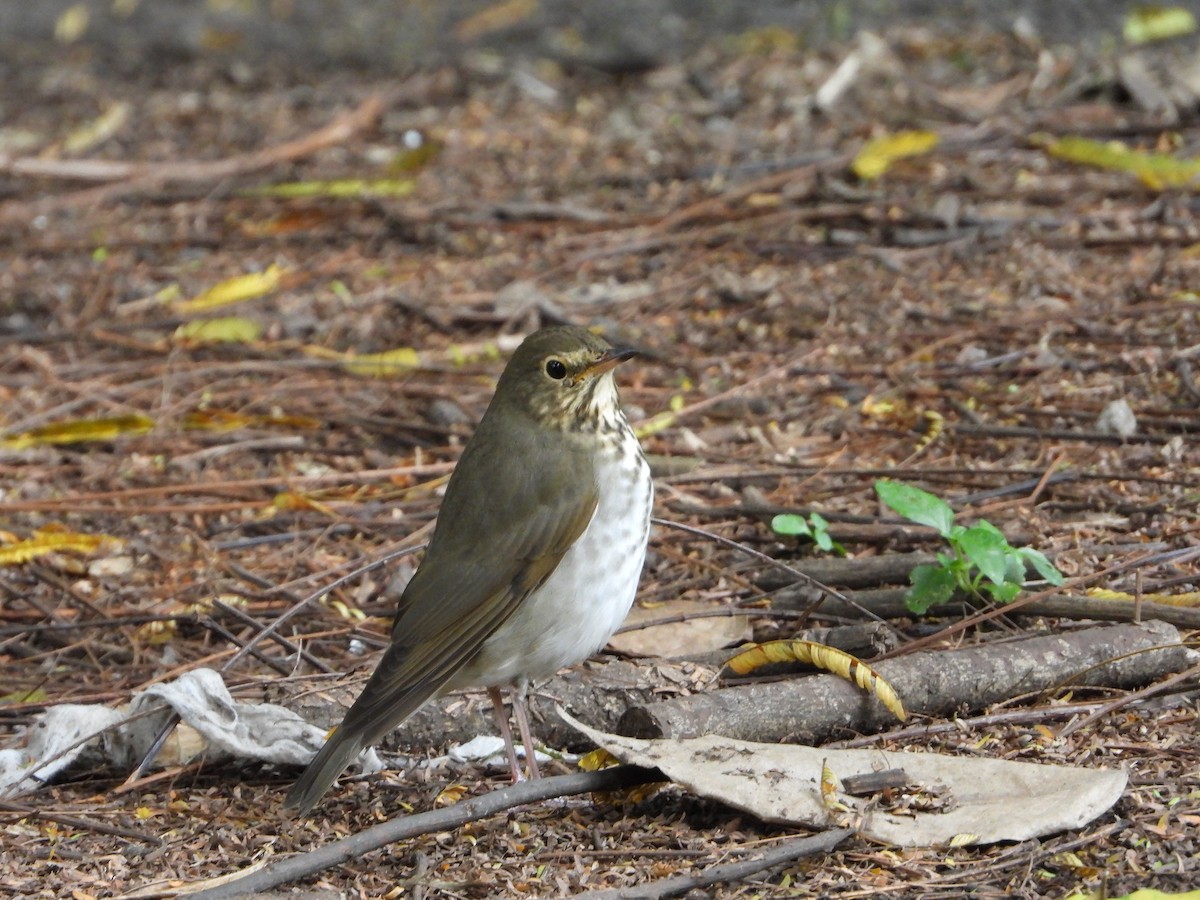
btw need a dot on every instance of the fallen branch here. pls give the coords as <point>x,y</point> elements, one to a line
<point>598,693</point>
<point>301,865</point>
<point>934,683</point>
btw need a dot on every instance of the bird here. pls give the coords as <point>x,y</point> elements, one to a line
<point>535,556</point>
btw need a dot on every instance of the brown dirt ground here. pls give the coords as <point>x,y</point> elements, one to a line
<point>701,212</point>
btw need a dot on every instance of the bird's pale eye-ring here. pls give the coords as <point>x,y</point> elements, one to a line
<point>556,368</point>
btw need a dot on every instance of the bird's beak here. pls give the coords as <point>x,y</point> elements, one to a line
<point>606,363</point>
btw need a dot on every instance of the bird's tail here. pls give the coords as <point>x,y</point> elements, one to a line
<point>339,751</point>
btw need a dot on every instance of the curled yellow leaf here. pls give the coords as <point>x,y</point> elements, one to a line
<point>837,662</point>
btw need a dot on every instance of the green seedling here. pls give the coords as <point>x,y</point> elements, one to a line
<point>980,560</point>
<point>815,528</point>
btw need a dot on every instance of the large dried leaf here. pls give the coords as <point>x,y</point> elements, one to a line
<point>968,800</point>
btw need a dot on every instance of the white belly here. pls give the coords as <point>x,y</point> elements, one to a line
<point>586,598</point>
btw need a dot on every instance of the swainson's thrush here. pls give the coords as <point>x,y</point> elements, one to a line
<point>535,558</point>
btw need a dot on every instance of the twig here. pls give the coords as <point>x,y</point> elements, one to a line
<point>90,825</point>
<point>769,560</point>
<point>958,724</point>
<point>779,855</point>
<point>137,176</point>
<point>282,871</point>
<point>1112,705</point>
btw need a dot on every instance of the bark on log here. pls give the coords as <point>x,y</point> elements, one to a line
<point>816,709</point>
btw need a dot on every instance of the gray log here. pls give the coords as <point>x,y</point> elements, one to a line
<point>935,683</point>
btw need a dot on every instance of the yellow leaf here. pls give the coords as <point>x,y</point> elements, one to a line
<point>76,431</point>
<point>1156,23</point>
<point>53,540</point>
<point>224,420</point>
<point>829,786</point>
<point>878,155</point>
<point>97,131</point>
<point>874,407</point>
<point>840,663</point>
<point>372,365</point>
<point>1186,598</point>
<point>1155,170</point>
<point>155,634</point>
<point>656,423</point>
<point>290,500</point>
<point>227,330</point>
<point>462,354</point>
<point>234,290</point>
<point>935,423</point>
<point>450,795</point>
<point>596,760</point>
<point>341,189</point>
<point>215,420</point>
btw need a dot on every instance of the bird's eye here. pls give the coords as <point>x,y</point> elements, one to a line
<point>556,369</point>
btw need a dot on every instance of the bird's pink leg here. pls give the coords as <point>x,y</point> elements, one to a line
<point>522,717</point>
<point>506,733</point>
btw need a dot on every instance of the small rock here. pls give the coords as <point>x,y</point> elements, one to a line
<point>447,413</point>
<point>1117,418</point>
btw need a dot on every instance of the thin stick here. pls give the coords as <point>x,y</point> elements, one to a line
<point>302,865</point>
<point>779,855</point>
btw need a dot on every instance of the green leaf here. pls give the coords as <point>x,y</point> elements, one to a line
<point>821,536</point>
<point>1044,567</point>
<point>987,549</point>
<point>931,585</point>
<point>790,525</point>
<point>918,505</point>
<point>1003,593</point>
